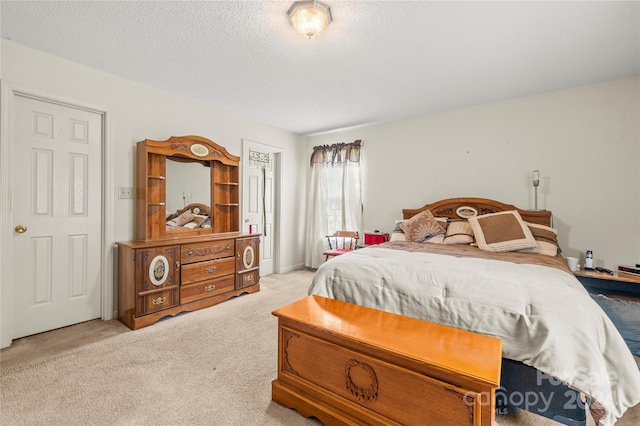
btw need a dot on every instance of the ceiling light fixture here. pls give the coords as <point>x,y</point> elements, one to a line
<point>309,18</point>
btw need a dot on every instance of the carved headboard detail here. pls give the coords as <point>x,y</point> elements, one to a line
<point>196,208</point>
<point>465,207</point>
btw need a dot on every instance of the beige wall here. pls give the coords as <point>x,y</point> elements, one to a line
<point>585,141</point>
<point>136,112</point>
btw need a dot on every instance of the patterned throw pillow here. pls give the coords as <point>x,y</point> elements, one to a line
<point>421,226</point>
<point>503,231</point>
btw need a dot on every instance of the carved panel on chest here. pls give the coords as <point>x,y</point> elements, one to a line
<point>336,365</point>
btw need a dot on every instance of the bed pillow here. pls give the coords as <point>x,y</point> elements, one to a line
<point>197,221</point>
<point>459,232</point>
<point>397,234</point>
<point>185,217</point>
<point>502,231</point>
<point>435,239</point>
<point>443,221</point>
<point>421,226</point>
<point>546,240</point>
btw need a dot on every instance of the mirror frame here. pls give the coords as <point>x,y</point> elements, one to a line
<point>151,211</point>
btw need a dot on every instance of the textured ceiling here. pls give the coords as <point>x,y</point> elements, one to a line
<point>378,60</point>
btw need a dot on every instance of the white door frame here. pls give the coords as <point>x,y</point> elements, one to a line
<point>7,110</point>
<point>277,173</point>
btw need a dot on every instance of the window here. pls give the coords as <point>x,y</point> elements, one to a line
<point>334,202</point>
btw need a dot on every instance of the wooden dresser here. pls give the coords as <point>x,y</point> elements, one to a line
<point>164,278</point>
<point>352,365</point>
<point>191,256</point>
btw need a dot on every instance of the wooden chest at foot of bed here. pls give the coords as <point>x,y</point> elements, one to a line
<point>348,364</point>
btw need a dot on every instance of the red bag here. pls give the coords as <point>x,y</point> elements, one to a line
<point>375,238</point>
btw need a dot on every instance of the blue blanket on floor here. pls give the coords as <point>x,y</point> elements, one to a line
<point>625,315</point>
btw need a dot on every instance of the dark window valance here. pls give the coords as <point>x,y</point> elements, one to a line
<point>336,153</point>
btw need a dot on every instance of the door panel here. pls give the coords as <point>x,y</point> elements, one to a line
<point>258,200</point>
<point>56,196</point>
<point>268,240</point>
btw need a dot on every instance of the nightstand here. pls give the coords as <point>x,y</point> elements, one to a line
<point>621,286</point>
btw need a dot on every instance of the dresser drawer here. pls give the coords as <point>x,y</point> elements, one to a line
<point>201,271</point>
<point>246,279</point>
<point>197,252</point>
<point>204,289</point>
<point>156,301</point>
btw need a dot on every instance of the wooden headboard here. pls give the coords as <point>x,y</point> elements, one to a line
<point>465,207</point>
<point>200,208</point>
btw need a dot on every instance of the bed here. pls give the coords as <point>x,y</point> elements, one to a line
<point>192,216</point>
<point>485,274</point>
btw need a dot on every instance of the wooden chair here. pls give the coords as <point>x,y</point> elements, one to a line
<point>341,242</point>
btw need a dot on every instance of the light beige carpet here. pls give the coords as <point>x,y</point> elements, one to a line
<point>210,367</point>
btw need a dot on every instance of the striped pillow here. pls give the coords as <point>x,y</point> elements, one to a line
<point>459,232</point>
<point>546,240</point>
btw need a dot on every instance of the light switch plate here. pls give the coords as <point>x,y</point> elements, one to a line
<point>125,192</point>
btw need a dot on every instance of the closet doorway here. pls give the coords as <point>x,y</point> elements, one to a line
<point>56,215</point>
<point>260,195</point>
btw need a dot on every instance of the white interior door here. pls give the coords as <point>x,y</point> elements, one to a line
<point>56,199</point>
<point>259,188</point>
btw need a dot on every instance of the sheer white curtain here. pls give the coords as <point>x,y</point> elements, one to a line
<point>334,198</point>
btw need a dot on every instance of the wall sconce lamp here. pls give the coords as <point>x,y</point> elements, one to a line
<point>536,182</point>
<point>309,18</point>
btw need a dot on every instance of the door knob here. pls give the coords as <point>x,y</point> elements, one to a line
<point>20,229</point>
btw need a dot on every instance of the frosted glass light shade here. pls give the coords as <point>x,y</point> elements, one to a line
<point>309,18</point>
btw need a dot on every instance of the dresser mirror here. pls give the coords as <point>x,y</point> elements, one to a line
<point>186,185</point>
<point>188,182</point>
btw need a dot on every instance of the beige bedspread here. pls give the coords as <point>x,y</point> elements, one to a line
<point>543,315</point>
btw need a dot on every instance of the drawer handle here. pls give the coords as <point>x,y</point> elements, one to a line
<point>159,300</point>
<point>248,278</point>
<point>190,253</point>
<point>210,287</point>
<point>210,269</point>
